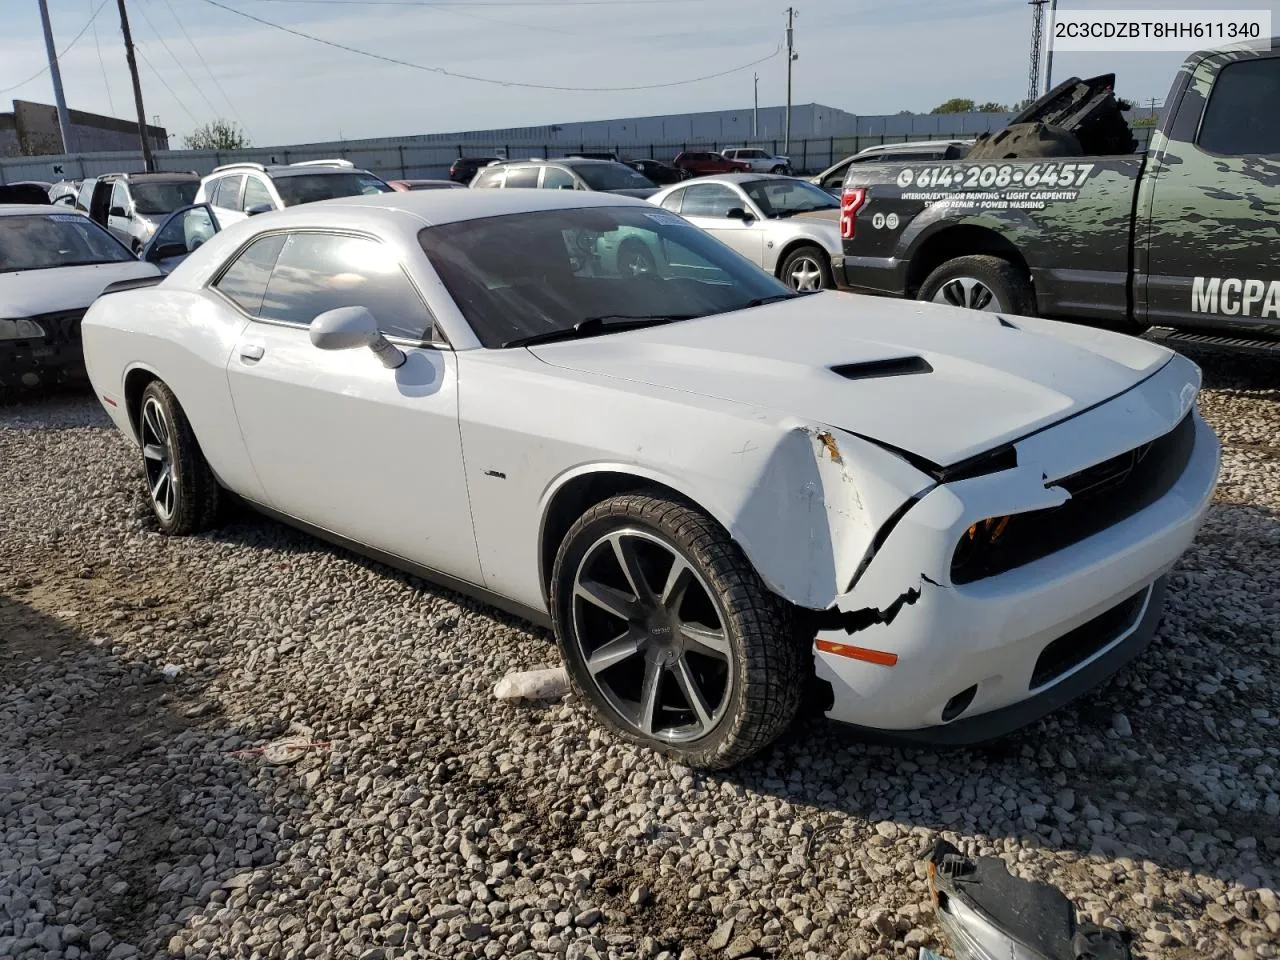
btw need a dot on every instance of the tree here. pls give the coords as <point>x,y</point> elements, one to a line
<point>1143,122</point>
<point>217,135</point>
<point>992,107</point>
<point>954,105</point>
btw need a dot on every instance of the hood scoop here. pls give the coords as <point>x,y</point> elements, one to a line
<point>878,369</point>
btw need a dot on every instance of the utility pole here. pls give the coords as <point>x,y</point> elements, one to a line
<point>64,119</point>
<point>1037,42</point>
<point>1048,59</point>
<point>148,162</point>
<point>791,56</point>
<point>755,106</point>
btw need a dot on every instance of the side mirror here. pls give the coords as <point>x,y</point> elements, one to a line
<point>738,213</point>
<point>164,251</point>
<point>118,212</point>
<point>258,208</point>
<point>349,327</point>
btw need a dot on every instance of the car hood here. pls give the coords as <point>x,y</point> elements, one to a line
<point>28,293</point>
<point>830,216</point>
<point>981,383</point>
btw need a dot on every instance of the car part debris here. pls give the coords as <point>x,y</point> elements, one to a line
<point>989,914</point>
<point>546,684</point>
<point>285,750</point>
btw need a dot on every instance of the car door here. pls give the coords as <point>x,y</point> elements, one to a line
<point>181,232</point>
<point>1213,206</point>
<point>257,198</point>
<point>339,441</point>
<point>707,205</point>
<point>120,216</point>
<point>557,178</point>
<point>226,198</point>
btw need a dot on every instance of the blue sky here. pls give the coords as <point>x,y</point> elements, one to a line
<point>865,56</point>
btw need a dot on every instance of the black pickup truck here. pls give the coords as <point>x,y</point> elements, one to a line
<point>1058,215</point>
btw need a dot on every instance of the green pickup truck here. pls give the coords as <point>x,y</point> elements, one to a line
<point>1059,215</point>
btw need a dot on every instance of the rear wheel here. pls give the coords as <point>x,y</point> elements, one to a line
<point>181,489</point>
<point>669,634</point>
<point>982,283</point>
<point>634,259</point>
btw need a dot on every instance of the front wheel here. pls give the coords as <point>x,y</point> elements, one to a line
<point>669,634</point>
<point>181,489</point>
<point>807,268</point>
<point>984,283</point>
<point>781,168</point>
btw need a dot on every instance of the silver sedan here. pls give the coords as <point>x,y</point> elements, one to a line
<point>788,226</point>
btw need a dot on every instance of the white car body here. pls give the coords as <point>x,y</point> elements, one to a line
<point>847,489</point>
<point>760,161</point>
<point>40,310</point>
<point>252,186</point>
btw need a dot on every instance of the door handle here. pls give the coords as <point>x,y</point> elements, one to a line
<point>251,352</point>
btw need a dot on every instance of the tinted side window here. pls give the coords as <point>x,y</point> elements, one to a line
<point>557,178</point>
<point>227,193</point>
<point>490,178</point>
<point>1243,114</point>
<point>245,281</point>
<point>324,271</point>
<point>255,193</point>
<point>673,200</point>
<point>525,177</point>
<point>120,196</point>
<point>709,200</point>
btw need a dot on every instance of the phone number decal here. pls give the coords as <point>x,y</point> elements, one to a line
<point>986,175</point>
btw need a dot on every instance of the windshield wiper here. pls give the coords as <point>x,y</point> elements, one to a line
<point>594,326</point>
<point>762,301</point>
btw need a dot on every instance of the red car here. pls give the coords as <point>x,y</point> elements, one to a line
<point>698,164</point>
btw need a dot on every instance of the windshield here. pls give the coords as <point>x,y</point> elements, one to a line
<point>310,187</point>
<point>611,176</point>
<point>57,240</point>
<point>533,274</point>
<point>785,198</point>
<point>149,198</point>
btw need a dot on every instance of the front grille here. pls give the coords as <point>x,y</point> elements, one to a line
<point>1074,648</point>
<point>1101,496</point>
<point>61,329</point>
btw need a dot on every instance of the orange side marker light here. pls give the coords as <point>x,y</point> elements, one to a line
<point>879,657</point>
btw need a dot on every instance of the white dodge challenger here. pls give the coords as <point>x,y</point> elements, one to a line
<point>725,497</point>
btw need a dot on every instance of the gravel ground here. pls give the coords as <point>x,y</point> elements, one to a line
<point>141,816</point>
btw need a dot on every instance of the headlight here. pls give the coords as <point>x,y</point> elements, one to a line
<point>20,329</point>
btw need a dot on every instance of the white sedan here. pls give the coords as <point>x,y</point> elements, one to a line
<point>722,494</point>
<point>53,264</point>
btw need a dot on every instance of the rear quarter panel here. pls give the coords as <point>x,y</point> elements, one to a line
<point>1069,220</point>
<point>183,338</point>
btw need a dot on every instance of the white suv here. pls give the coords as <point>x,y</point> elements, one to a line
<point>760,161</point>
<point>240,190</point>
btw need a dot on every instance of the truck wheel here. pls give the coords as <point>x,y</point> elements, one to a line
<point>806,268</point>
<point>670,636</point>
<point>981,283</point>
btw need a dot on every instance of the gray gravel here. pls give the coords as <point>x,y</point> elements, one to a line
<point>140,816</point>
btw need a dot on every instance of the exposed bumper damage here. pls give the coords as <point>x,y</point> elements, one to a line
<point>913,650</point>
<point>41,351</point>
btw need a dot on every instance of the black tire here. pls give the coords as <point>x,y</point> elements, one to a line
<point>635,259</point>
<point>767,680</point>
<point>195,494</point>
<point>795,260</point>
<point>1009,285</point>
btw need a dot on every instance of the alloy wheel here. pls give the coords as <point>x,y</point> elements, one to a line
<point>805,274</point>
<point>651,636</point>
<point>968,293</point>
<point>157,458</point>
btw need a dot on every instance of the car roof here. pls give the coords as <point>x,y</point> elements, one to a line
<point>276,171</point>
<point>28,209</point>
<point>451,206</point>
<point>738,178</point>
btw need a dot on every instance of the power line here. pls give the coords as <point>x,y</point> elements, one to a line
<point>200,90</point>
<point>494,3</point>
<point>106,84</point>
<point>501,83</point>
<point>200,57</point>
<point>62,53</point>
<point>137,46</point>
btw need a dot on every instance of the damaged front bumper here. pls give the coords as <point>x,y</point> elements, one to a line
<point>41,351</point>
<point>912,653</point>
